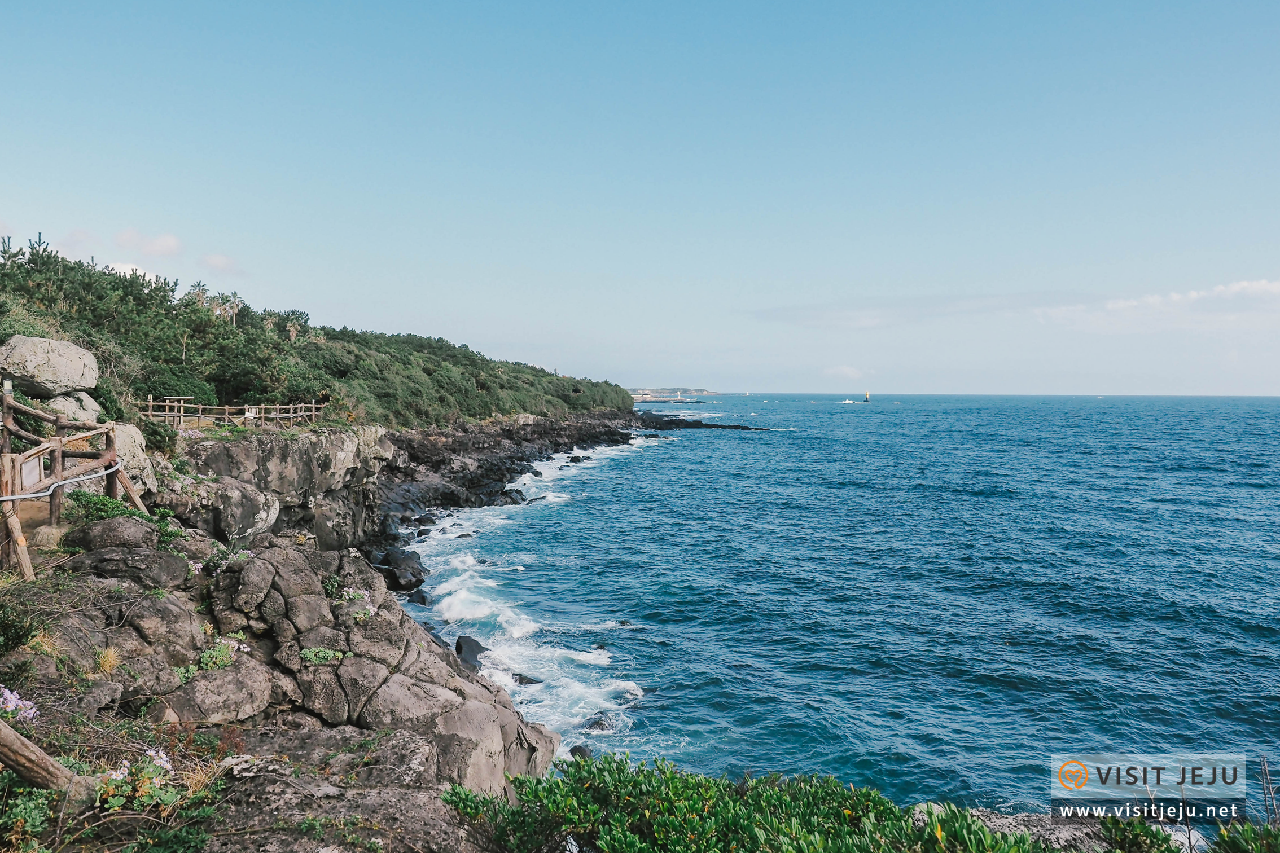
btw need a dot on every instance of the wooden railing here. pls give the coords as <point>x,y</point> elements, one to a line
<point>181,412</point>
<point>41,470</point>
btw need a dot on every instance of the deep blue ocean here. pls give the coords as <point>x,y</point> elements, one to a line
<point>925,594</point>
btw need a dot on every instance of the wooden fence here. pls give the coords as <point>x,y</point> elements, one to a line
<point>42,471</point>
<point>181,412</point>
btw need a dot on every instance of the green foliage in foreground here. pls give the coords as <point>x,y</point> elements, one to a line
<point>216,349</point>
<point>607,805</point>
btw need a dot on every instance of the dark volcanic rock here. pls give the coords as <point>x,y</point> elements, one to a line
<point>469,650</point>
<point>146,567</point>
<point>520,678</point>
<point>123,532</point>
<point>471,465</point>
<point>581,751</point>
<point>402,570</point>
<point>599,723</point>
<point>650,420</point>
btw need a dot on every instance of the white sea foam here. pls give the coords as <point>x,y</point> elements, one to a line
<point>627,688</point>
<point>576,684</point>
<point>464,582</point>
<point>596,657</point>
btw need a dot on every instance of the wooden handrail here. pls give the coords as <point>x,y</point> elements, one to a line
<point>57,478</point>
<point>81,436</point>
<point>35,413</point>
<point>22,433</point>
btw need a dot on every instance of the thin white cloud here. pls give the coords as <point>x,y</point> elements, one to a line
<point>1176,300</point>
<point>161,245</point>
<point>845,372</point>
<point>221,264</point>
<point>1245,304</point>
<point>1242,305</point>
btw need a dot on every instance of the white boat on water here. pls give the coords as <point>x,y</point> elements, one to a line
<point>867,400</point>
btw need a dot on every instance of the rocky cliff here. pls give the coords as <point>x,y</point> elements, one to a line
<point>286,636</point>
<point>322,484</point>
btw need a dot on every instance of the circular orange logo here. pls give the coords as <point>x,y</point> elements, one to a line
<point>1073,775</point>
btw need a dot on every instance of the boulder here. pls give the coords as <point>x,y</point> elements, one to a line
<point>123,532</point>
<point>402,570</point>
<point>323,481</point>
<point>471,747</point>
<point>131,447</point>
<point>149,569</point>
<point>48,536</point>
<point>228,509</point>
<point>222,695</point>
<point>77,406</point>
<point>196,545</point>
<point>97,697</point>
<point>469,650</point>
<point>580,752</point>
<point>389,673</point>
<point>46,368</point>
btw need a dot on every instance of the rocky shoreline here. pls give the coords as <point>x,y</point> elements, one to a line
<point>262,616</point>
<point>274,616</point>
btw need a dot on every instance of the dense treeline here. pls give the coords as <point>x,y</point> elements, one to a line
<point>216,348</point>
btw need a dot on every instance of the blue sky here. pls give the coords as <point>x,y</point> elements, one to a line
<point>926,197</point>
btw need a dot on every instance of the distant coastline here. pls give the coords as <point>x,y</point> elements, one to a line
<point>670,395</point>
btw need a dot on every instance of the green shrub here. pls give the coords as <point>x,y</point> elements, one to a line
<point>159,436</point>
<point>1135,836</point>
<point>108,396</point>
<point>218,656</point>
<point>16,628</point>
<point>1247,838</point>
<point>25,812</point>
<point>606,804</point>
<point>164,380</point>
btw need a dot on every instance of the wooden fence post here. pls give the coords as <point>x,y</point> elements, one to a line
<point>113,485</point>
<point>55,469</point>
<point>5,441</point>
<point>10,485</point>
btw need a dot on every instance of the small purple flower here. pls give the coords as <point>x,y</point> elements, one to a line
<point>14,704</point>
<point>159,759</point>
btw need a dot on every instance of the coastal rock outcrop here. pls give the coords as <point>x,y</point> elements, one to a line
<point>42,367</point>
<point>228,509</point>
<point>321,483</point>
<point>307,638</point>
<point>472,464</point>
